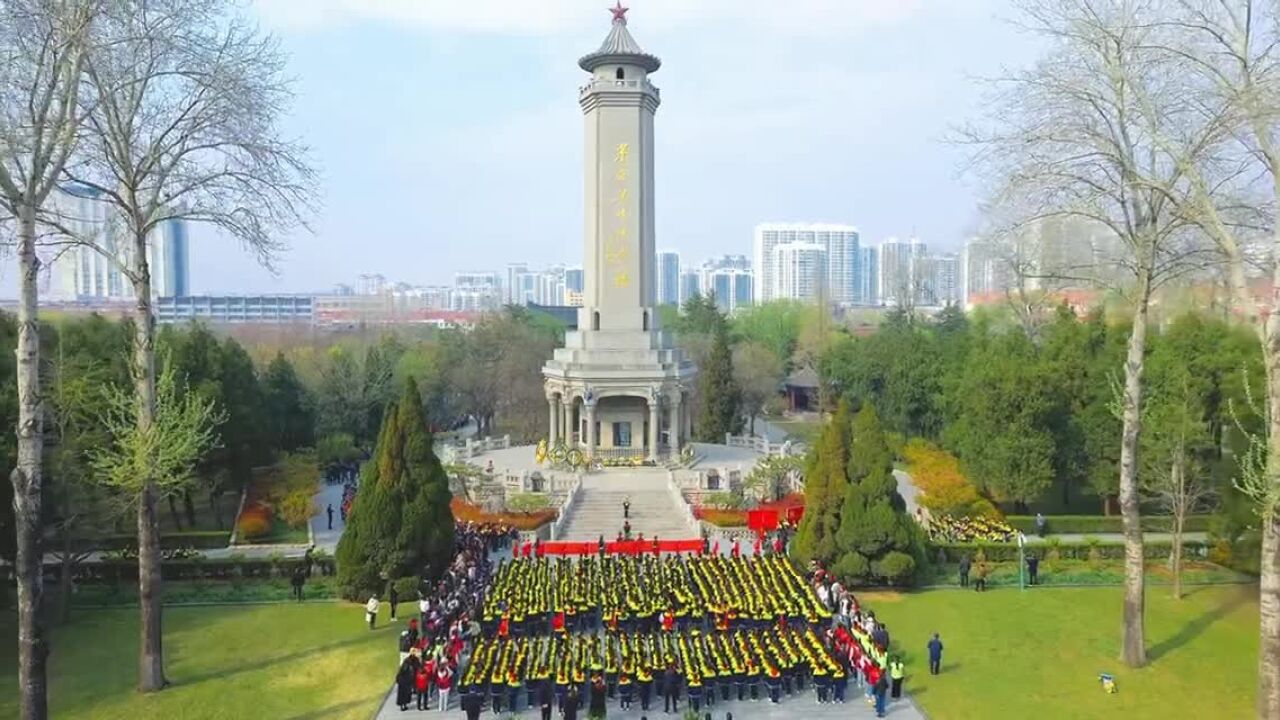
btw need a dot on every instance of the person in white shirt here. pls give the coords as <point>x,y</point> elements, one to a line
<point>424,609</point>
<point>371,611</point>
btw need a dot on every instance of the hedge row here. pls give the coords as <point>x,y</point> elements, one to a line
<point>110,572</point>
<point>1006,552</point>
<point>198,539</point>
<point>1087,524</point>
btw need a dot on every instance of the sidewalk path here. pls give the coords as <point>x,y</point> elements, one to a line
<point>908,491</point>
<point>325,538</point>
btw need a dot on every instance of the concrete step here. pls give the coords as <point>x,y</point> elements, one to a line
<point>598,508</point>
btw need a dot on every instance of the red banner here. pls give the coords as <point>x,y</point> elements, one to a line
<point>626,547</point>
<point>762,520</point>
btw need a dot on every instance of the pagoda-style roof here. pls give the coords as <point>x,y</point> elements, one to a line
<point>619,48</point>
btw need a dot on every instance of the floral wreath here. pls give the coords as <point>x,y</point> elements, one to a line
<point>540,454</point>
<point>575,458</point>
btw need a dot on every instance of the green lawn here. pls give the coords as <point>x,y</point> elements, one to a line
<point>313,660</point>
<point>1012,654</point>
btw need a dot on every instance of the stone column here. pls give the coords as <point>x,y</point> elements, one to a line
<point>653,427</point>
<point>686,414</point>
<point>553,420</point>
<point>591,429</point>
<point>673,423</point>
<point>566,421</point>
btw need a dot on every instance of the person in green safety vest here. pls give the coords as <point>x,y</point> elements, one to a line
<point>897,671</point>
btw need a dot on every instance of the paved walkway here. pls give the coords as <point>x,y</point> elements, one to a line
<point>804,706</point>
<point>908,491</point>
<point>329,495</point>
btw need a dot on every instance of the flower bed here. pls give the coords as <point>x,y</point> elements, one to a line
<point>721,517</point>
<point>464,511</point>
<point>279,502</point>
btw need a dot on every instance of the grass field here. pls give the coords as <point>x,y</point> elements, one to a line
<point>1012,654</point>
<point>1009,654</point>
<point>314,660</point>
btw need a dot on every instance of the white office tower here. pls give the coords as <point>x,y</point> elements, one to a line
<point>800,271</point>
<point>839,242</point>
<point>80,273</point>
<point>897,284</point>
<point>869,276</point>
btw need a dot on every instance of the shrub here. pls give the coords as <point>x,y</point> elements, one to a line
<point>464,511</point>
<point>896,568</point>
<point>721,517</point>
<point>1106,550</point>
<point>944,488</point>
<point>852,568</point>
<point>1086,524</point>
<point>528,502</point>
<point>254,523</point>
<point>297,507</point>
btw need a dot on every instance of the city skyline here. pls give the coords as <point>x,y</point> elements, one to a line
<point>423,138</point>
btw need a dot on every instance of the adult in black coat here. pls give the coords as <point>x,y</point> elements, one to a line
<point>571,703</point>
<point>546,696</point>
<point>670,690</point>
<point>472,705</point>
<point>596,708</point>
<point>404,684</point>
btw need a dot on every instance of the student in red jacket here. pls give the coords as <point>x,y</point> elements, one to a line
<point>422,682</point>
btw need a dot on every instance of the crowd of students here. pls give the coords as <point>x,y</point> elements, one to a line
<point>431,647</point>
<point>561,634</point>
<point>943,528</point>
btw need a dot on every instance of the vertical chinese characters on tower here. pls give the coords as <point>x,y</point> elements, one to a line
<point>617,250</point>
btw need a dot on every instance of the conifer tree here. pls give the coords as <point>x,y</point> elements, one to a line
<point>876,539</point>
<point>825,486</point>
<point>401,524</point>
<point>721,397</point>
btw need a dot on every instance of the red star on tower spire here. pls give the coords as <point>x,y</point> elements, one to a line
<point>619,12</point>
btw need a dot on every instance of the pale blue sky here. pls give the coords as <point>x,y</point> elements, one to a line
<point>449,136</point>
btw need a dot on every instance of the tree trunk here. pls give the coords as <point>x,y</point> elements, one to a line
<point>173,512</point>
<point>151,648</point>
<point>26,478</point>
<point>1269,572</point>
<point>189,507</point>
<point>64,579</point>
<point>1178,517</point>
<point>1269,648</point>
<point>1133,634</point>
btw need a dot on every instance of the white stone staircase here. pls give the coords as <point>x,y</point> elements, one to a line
<point>598,508</point>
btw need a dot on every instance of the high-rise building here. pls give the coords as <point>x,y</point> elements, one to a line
<point>869,276</point>
<point>511,290</point>
<point>840,242</point>
<point>800,271</point>
<point>690,285</point>
<point>947,280</point>
<point>80,273</point>
<point>897,282</point>
<point>573,279</point>
<point>731,287</point>
<point>476,291</point>
<point>668,292</point>
<point>371,284</point>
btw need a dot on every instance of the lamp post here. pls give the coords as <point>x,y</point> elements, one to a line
<point>1022,561</point>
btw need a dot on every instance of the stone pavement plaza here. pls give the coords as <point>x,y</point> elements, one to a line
<point>797,706</point>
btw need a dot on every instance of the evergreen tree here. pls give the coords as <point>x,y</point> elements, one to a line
<point>876,539</point>
<point>825,485</point>
<point>401,524</point>
<point>721,411</point>
<point>289,418</point>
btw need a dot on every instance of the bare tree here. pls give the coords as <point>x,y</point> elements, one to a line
<point>1227,53</point>
<point>1068,139</point>
<point>187,98</point>
<point>41,59</point>
<point>1172,473</point>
